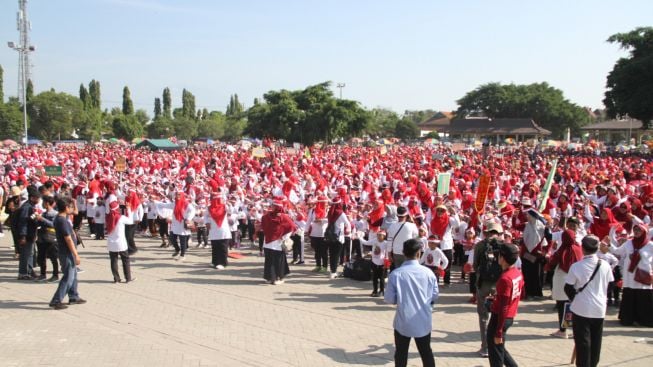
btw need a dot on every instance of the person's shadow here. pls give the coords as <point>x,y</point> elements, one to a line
<point>374,355</point>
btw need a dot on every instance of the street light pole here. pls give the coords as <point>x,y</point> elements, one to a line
<point>340,86</point>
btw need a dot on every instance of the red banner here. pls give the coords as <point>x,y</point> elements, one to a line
<point>481,193</point>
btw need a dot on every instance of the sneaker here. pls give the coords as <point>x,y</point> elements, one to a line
<point>175,255</point>
<point>181,258</point>
<point>163,245</point>
<point>78,301</point>
<point>374,294</point>
<point>293,262</point>
<point>131,280</point>
<point>483,353</point>
<point>58,306</point>
<point>300,262</point>
<point>24,277</point>
<point>280,281</point>
<point>40,278</point>
<point>333,275</point>
<point>560,334</point>
<point>54,278</point>
<point>220,267</point>
<point>324,270</point>
<point>317,269</point>
<point>2,234</point>
<point>80,270</point>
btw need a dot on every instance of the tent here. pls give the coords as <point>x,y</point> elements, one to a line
<point>158,144</point>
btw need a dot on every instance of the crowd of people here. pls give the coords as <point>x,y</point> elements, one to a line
<point>349,203</point>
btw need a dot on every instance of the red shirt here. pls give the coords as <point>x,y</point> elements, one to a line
<point>509,288</point>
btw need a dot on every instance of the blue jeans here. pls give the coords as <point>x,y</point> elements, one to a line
<point>67,284</point>
<point>26,259</point>
<point>180,243</point>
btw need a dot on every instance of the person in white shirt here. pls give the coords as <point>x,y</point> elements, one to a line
<point>99,219</point>
<point>433,257</point>
<point>298,239</point>
<point>117,242</point>
<point>200,224</point>
<point>442,224</point>
<point>182,215</point>
<point>379,254</point>
<point>398,233</point>
<point>338,219</point>
<point>219,232</point>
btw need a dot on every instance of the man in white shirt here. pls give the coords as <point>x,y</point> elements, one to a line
<point>398,233</point>
<point>587,287</point>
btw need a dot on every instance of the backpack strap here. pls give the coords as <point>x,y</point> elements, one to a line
<point>596,270</point>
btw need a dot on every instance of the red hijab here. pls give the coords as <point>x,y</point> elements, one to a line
<point>133,200</point>
<point>601,227</point>
<point>217,210</point>
<point>334,212</point>
<point>180,206</point>
<point>638,243</point>
<point>113,216</point>
<point>568,253</point>
<point>439,223</point>
<point>275,224</point>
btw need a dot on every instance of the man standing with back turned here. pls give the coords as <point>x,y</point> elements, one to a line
<point>413,288</point>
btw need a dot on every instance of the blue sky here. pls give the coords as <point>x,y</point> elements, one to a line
<point>392,54</point>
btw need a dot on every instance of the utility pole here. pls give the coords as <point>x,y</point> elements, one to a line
<point>24,48</point>
<point>340,86</point>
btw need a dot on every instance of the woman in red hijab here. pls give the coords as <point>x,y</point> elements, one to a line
<point>219,231</point>
<point>566,254</point>
<point>277,227</point>
<point>637,300</point>
<point>182,214</point>
<point>600,226</point>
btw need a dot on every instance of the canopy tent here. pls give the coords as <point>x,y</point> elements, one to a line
<point>158,144</point>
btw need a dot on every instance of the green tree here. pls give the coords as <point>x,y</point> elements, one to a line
<point>406,129</point>
<point>29,90</point>
<point>185,127</point>
<point>127,104</point>
<point>546,105</point>
<point>235,109</point>
<point>188,104</point>
<point>630,83</point>
<point>160,128</point>
<point>2,92</point>
<point>55,115</point>
<point>383,123</point>
<point>94,93</point>
<point>126,127</point>
<point>11,120</point>
<point>212,126</point>
<point>167,103</point>
<point>84,96</point>
<point>142,117</point>
<point>419,116</point>
<point>157,108</point>
<point>94,125</point>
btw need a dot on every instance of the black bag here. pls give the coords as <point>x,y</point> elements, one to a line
<point>330,234</point>
<point>360,269</point>
<point>489,269</point>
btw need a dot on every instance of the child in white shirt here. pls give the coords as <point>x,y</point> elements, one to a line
<point>379,255</point>
<point>99,219</point>
<point>433,258</point>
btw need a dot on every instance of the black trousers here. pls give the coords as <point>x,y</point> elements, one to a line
<point>588,334</point>
<point>335,248</point>
<point>202,236</point>
<point>126,269</point>
<point>497,353</point>
<point>130,231</point>
<point>532,277</point>
<point>560,307</point>
<point>458,254</point>
<point>163,229</point>
<point>423,346</point>
<point>78,219</point>
<point>219,252</point>
<point>250,230</point>
<point>378,277</point>
<point>297,244</point>
<point>261,238</point>
<point>47,251</point>
<point>321,251</point>
<point>447,271</point>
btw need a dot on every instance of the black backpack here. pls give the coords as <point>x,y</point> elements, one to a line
<point>489,269</point>
<point>330,234</point>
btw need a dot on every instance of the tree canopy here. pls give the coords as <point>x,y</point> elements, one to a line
<point>630,83</point>
<point>543,103</point>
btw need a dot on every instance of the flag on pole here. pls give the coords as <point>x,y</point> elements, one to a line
<point>481,193</point>
<point>307,153</point>
<point>547,186</point>
<point>444,180</point>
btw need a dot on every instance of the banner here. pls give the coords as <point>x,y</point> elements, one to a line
<point>547,186</point>
<point>258,153</point>
<point>53,171</point>
<point>121,164</point>
<point>481,193</point>
<point>307,153</point>
<point>444,180</point>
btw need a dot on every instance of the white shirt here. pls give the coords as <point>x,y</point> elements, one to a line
<point>177,226</point>
<point>437,258</point>
<point>217,232</point>
<point>116,240</point>
<point>592,301</point>
<point>137,213</point>
<point>397,235</point>
<point>377,259</point>
<point>645,262</point>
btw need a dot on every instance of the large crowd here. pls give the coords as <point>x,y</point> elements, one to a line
<point>349,204</point>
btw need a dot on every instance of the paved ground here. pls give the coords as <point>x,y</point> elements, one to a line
<point>186,314</point>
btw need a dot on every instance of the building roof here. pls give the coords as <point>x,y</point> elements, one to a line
<point>614,125</point>
<point>497,126</point>
<point>158,144</point>
<point>438,124</point>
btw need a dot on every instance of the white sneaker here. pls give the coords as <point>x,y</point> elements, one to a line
<point>2,234</point>
<point>333,275</point>
<point>280,281</point>
<point>181,258</point>
<point>219,267</point>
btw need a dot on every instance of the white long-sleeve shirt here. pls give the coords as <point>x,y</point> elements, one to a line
<point>116,240</point>
<point>217,232</point>
<point>434,257</point>
<point>178,226</point>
